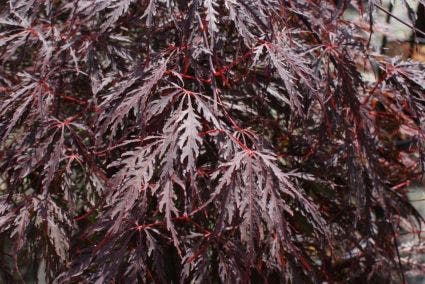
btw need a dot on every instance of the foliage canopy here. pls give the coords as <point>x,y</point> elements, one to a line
<point>204,140</point>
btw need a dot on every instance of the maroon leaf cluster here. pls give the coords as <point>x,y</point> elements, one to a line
<point>203,141</point>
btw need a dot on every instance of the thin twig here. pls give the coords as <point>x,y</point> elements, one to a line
<point>398,19</point>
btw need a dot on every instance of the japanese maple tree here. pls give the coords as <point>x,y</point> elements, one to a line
<point>204,141</point>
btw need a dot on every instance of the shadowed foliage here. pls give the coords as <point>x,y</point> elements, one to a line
<point>203,141</point>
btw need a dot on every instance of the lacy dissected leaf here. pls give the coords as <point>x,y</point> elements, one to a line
<point>30,99</point>
<point>211,16</point>
<point>132,100</point>
<point>255,187</point>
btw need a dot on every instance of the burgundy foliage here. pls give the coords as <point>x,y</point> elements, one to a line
<point>206,140</point>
